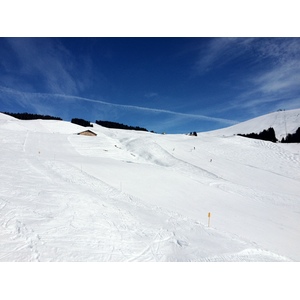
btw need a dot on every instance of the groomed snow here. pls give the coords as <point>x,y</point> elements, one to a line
<point>138,196</point>
<point>282,121</point>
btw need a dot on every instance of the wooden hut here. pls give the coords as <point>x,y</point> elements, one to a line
<point>87,133</point>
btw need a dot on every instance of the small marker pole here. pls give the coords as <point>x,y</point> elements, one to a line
<point>208,219</point>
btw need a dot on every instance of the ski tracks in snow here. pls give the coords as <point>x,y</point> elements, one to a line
<point>70,215</point>
<point>122,234</point>
<point>23,241</point>
<point>115,226</point>
<point>32,240</point>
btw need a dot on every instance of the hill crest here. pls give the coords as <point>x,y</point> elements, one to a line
<point>283,122</point>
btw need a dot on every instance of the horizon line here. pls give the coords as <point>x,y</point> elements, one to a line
<point>122,106</point>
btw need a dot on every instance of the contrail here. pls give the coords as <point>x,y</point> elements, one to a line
<point>123,106</point>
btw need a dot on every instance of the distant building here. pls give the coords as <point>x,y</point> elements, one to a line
<point>87,133</point>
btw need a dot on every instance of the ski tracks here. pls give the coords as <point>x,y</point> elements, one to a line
<point>122,228</point>
<point>115,226</point>
<point>23,242</point>
<point>248,255</point>
<point>32,240</point>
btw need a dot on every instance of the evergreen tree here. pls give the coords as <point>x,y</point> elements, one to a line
<point>266,135</point>
<point>109,124</point>
<point>29,116</point>
<point>81,122</point>
<point>292,138</point>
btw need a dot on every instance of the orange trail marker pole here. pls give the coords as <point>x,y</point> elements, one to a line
<point>208,219</point>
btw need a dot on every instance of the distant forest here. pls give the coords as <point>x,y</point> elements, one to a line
<point>292,138</point>
<point>269,135</point>
<point>27,116</point>
<point>78,121</point>
<point>265,135</point>
<point>116,125</point>
<point>81,122</point>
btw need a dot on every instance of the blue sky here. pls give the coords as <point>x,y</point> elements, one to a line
<point>173,85</point>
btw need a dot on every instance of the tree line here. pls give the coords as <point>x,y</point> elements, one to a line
<point>81,122</point>
<point>28,116</point>
<point>116,125</point>
<point>269,135</point>
<point>292,138</point>
<point>78,121</point>
<point>107,124</point>
<point>265,135</point>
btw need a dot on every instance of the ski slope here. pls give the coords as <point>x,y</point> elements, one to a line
<point>138,196</point>
<point>283,122</point>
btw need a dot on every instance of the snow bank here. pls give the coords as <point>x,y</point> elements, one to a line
<point>137,196</point>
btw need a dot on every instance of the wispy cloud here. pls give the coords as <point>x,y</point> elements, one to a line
<point>273,77</point>
<point>48,64</point>
<point>219,52</point>
<point>32,99</point>
<point>278,85</point>
<point>281,79</point>
<point>151,95</point>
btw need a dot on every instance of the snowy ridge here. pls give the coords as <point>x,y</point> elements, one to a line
<point>137,196</point>
<point>283,122</point>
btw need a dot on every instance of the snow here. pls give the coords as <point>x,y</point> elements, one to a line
<point>282,121</point>
<point>138,196</point>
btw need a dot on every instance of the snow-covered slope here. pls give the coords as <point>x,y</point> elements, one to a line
<point>283,122</point>
<point>137,196</point>
<point>43,126</point>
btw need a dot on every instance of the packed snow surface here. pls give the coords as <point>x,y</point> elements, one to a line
<point>138,196</point>
<point>283,122</point>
